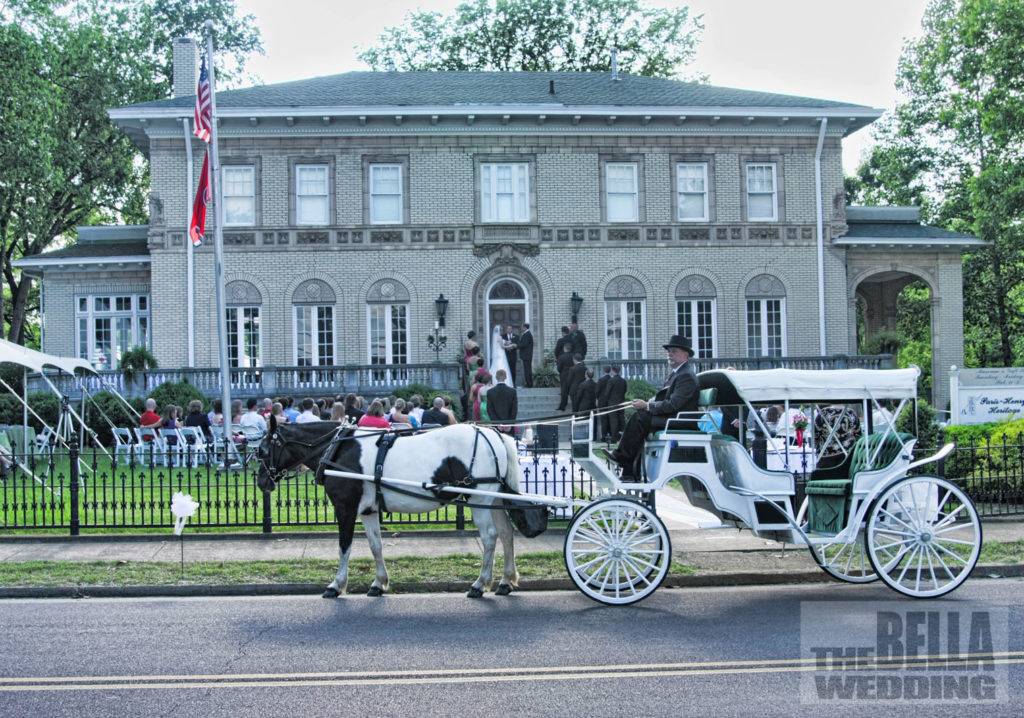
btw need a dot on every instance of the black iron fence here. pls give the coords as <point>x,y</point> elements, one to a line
<point>76,491</point>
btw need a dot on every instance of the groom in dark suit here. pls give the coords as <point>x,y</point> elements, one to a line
<point>511,354</point>
<point>679,393</point>
<point>526,355</point>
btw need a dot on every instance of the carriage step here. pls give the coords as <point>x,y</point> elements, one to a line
<point>599,471</point>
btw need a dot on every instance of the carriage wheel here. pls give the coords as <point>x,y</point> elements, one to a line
<point>846,561</point>
<point>923,536</point>
<point>617,551</point>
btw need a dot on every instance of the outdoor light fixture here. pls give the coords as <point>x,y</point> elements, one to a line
<point>575,302</point>
<point>436,340</point>
<point>442,308</point>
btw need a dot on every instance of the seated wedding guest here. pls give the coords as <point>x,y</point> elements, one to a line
<point>236,411</point>
<point>266,407</point>
<point>352,410</point>
<point>252,418</point>
<point>452,419</point>
<point>385,404</point>
<point>170,421</point>
<point>150,419</point>
<point>338,412</point>
<point>399,415</point>
<point>416,411</point>
<point>198,419</point>
<point>307,414</point>
<point>215,415</point>
<point>289,409</point>
<point>277,411</point>
<point>374,417</point>
<point>436,414</point>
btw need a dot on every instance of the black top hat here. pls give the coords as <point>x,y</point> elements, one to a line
<point>679,342</point>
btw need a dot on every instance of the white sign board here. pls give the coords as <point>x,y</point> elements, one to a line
<point>981,395</point>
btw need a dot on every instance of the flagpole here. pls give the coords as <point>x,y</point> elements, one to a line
<point>218,247</point>
<point>189,266</point>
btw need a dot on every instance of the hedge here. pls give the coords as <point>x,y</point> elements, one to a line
<point>998,443</point>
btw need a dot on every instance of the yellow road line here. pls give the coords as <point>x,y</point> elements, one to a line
<point>463,676</point>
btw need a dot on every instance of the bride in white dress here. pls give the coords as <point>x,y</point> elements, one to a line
<point>498,358</point>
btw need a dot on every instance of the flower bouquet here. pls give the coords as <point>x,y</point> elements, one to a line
<point>800,422</point>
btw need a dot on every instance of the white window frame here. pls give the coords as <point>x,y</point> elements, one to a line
<point>91,314</point>
<point>240,335</point>
<point>383,373</point>
<point>315,352</point>
<point>774,217</point>
<point>680,192</point>
<point>326,168</point>
<point>251,197</point>
<point>691,331</point>
<point>635,194</point>
<point>520,172</point>
<point>763,313</point>
<point>625,340</point>
<point>401,208</point>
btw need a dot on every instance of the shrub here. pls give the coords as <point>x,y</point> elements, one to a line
<point>980,447</point>
<point>105,403</point>
<point>639,389</point>
<point>546,375</point>
<point>429,393</point>
<point>928,432</point>
<point>179,393</point>
<point>137,360</point>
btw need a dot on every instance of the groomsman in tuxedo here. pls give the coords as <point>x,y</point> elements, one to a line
<point>526,355</point>
<point>614,396</point>
<point>578,339</point>
<point>560,344</point>
<point>512,353</point>
<point>601,426</point>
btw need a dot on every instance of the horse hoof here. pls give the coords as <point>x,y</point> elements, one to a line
<point>375,592</point>
<point>330,593</point>
<point>475,592</point>
<point>503,590</point>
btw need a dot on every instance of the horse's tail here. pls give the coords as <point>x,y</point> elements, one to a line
<point>513,472</point>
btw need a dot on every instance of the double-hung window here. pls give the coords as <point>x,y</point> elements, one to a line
<point>762,193</point>
<point>239,195</point>
<point>622,196</point>
<point>311,199</point>
<point>692,192</point>
<point>505,192</point>
<point>108,326</point>
<point>385,194</point>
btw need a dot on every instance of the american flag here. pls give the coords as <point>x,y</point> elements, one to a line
<point>204,109</point>
<point>203,196</point>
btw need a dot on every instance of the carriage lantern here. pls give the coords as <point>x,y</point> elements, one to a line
<point>575,302</point>
<point>436,340</point>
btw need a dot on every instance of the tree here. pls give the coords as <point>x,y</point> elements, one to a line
<point>62,162</point>
<point>954,145</point>
<point>541,35</point>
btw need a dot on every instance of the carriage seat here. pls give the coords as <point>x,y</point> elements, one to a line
<point>705,400</point>
<point>830,498</point>
<point>735,467</point>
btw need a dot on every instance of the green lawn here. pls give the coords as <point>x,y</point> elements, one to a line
<point>403,569</point>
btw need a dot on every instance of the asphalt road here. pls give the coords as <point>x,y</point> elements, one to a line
<point>727,651</point>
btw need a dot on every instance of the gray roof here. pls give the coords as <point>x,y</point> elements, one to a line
<point>898,226</point>
<point>95,243</point>
<point>899,230</point>
<point>465,89</point>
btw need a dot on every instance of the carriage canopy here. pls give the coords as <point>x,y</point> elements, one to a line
<point>835,385</point>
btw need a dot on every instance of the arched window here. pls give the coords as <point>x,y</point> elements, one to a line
<point>625,318</point>
<point>506,289</point>
<point>387,328</point>
<point>244,302</point>
<point>766,317</point>
<point>696,300</point>
<point>313,327</point>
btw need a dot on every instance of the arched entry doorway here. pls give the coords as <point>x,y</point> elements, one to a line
<point>507,303</point>
<point>895,316</point>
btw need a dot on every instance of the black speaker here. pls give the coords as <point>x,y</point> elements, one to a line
<point>547,438</point>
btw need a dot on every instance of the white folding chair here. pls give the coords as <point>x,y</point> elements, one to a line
<point>174,447</point>
<point>233,456</point>
<point>151,445</point>
<point>193,445</point>
<point>45,442</point>
<point>124,445</point>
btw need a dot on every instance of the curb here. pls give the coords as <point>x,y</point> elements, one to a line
<point>709,580</point>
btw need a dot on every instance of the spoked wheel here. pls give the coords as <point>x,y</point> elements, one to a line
<point>617,551</point>
<point>846,561</point>
<point>923,536</point>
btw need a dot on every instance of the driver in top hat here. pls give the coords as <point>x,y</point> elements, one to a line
<point>679,393</point>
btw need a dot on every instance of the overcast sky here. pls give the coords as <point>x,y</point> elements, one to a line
<point>831,49</point>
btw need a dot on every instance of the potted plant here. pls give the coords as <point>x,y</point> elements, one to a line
<point>135,363</point>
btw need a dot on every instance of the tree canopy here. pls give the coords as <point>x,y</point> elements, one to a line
<point>62,162</point>
<point>541,35</point>
<point>955,147</point>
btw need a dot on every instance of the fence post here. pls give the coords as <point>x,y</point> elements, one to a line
<point>268,524</point>
<point>73,456</point>
<point>460,517</point>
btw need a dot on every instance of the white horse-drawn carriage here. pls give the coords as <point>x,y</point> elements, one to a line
<point>865,517</point>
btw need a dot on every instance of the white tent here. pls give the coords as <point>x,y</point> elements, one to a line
<point>38,361</point>
<point>778,385</point>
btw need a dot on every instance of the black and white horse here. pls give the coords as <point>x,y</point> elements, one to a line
<point>459,454</point>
